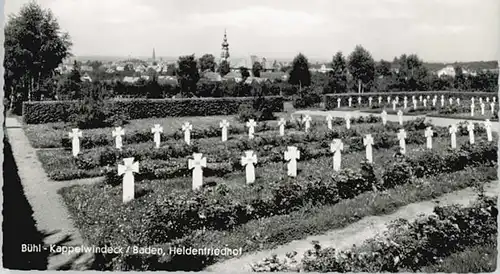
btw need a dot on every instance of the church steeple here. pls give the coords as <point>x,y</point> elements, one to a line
<point>154,55</point>
<point>225,48</point>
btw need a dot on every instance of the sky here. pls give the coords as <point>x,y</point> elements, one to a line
<point>436,30</point>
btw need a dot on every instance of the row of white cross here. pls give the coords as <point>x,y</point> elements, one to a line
<point>291,156</point>
<point>414,100</point>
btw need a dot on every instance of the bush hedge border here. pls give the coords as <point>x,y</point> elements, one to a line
<point>39,112</point>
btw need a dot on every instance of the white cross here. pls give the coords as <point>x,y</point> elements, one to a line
<point>413,98</point>
<point>402,143</point>
<point>487,99</point>
<point>428,135</point>
<point>405,103</point>
<point>428,97</point>
<point>420,98</point>
<point>281,124</point>
<point>482,108</point>
<point>370,99</point>
<point>128,179</point>
<point>368,143</point>
<point>117,133</point>
<point>450,100</point>
<point>434,101</point>
<point>425,103</point>
<point>338,102</point>
<point>494,99</point>
<point>196,164</point>
<point>442,100</point>
<point>458,101</point>
<point>480,100</point>
<point>307,122</point>
<point>472,109</point>
<point>156,130</point>
<point>472,100</point>
<point>400,117</point>
<point>487,125</point>
<point>359,101</point>
<point>329,119</point>
<point>224,125</point>
<point>384,117</point>
<point>187,127</point>
<point>347,120</point>
<point>397,99</point>
<point>388,99</point>
<point>380,100</point>
<point>492,107</point>
<point>394,105</point>
<point>453,130</point>
<point>470,128</point>
<point>292,155</point>
<point>75,142</point>
<point>350,101</point>
<point>248,161</point>
<point>336,147</point>
<point>251,124</point>
<point>414,104</point>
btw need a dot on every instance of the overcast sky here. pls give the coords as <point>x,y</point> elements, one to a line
<point>437,30</point>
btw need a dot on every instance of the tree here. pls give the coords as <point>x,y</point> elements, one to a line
<point>459,78</point>
<point>300,74</point>
<point>244,73</point>
<point>187,73</point>
<point>362,66</point>
<point>207,62</point>
<point>256,69</point>
<point>337,78</point>
<point>383,68</point>
<point>34,48</point>
<point>224,68</point>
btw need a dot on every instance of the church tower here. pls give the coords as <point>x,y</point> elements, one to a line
<point>154,55</point>
<point>225,48</point>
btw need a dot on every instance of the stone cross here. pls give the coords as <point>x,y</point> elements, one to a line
<point>394,105</point>
<point>472,109</point>
<point>428,135</point>
<point>380,100</point>
<point>450,100</point>
<point>338,102</point>
<point>480,100</point>
<point>405,103</point>
<point>442,100</point>
<point>415,104</point>
<point>336,147</point>
<point>329,119</point>
<point>482,108</point>
<point>434,101</point>
<point>157,130</point>
<point>388,99</point>
<point>368,143</point>
<point>370,99</point>
<point>397,99</point>
<point>359,101</point>
<point>292,155</point>
<point>248,161</point>
<point>196,165</point>
<point>458,101</point>
<point>350,101</point>
<point>347,120</point>
<point>487,125</point>
<point>425,103</point>
<point>307,121</point>
<point>281,124</point>
<point>487,99</point>
<point>75,134</point>
<point>402,143</point>
<point>420,98</point>
<point>251,128</point>
<point>384,117</point>
<point>492,106</point>
<point>118,133</point>
<point>224,125</point>
<point>187,127</point>
<point>413,98</point>
<point>494,99</point>
<point>453,131</point>
<point>470,128</point>
<point>400,117</point>
<point>472,100</point>
<point>428,97</point>
<point>128,169</point>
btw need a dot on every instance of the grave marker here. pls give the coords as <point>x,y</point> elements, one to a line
<point>471,109</point>
<point>425,103</point>
<point>187,127</point>
<point>487,125</point>
<point>368,143</point>
<point>415,104</point>
<point>434,102</point>
<point>470,128</point>
<point>338,102</point>
<point>196,165</point>
<point>492,107</point>
<point>251,124</point>
<point>370,99</point>
<point>307,121</point>
<point>350,101</point>
<point>482,108</point>
<point>380,100</point>
<point>157,130</point>
<point>347,120</point>
<point>405,103</point>
<point>400,117</point>
<point>281,124</point>
<point>224,125</point>
<point>394,105</point>
<point>384,117</point>
<point>450,100</point>
<point>388,99</point>
<point>453,131</point>
<point>118,133</point>
<point>402,143</point>
<point>248,161</point>
<point>458,101</point>
<point>359,101</point>
<point>420,98</point>
<point>336,147</point>
<point>329,119</point>
<point>487,99</point>
<point>442,100</point>
<point>292,155</point>
<point>428,135</point>
<point>75,134</point>
<point>128,169</point>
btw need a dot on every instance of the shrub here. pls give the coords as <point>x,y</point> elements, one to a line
<point>351,184</point>
<point>398,173</point>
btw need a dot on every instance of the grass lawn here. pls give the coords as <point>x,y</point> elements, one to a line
<point>462,116</point>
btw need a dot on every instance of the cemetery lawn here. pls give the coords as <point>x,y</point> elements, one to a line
<point>466,116</point>
<point>263,233</point>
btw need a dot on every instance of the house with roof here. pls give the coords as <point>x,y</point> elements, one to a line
<point>274,75</point>
<point>86,77</point>
<point>86,68</point>
<point>170,80</point>
<point>212,76</point>
<point>233,75</point>
<point>130,79</point>
<point>449,70</point>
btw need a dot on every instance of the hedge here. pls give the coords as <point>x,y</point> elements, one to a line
<point>38,112</point>
<point>330,100</point>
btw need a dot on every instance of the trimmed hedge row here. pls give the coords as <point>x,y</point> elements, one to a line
<point>331,99</point>
<point>38,112</point>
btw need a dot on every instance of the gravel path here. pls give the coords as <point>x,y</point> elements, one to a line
<point>49,210</point>
<point>355,233</point>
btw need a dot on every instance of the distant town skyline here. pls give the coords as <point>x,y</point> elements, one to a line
<point>437,30</point>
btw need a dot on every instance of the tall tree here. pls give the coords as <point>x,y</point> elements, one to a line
<point>256,69</point>
<point>362,66</point>
<point>224,68</point>
<point>207,62</point>
<point>337,78</point>
<point>383,68</point>
<point>244,73</point>
<point>187,73</point>
<point>34,48</point>
<point>300,74</point>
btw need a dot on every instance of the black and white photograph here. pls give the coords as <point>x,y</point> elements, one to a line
<point>232,136</point>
